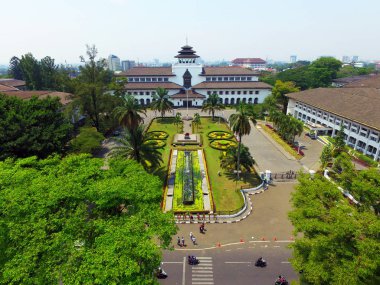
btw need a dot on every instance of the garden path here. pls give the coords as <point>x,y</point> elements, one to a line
<point>187,127</point>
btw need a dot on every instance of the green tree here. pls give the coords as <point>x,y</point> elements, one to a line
<point>89,140</point>
<point>136,146</point>
<point>129,114</point>
<point>229,160</point>
<point>48,71</point>
<point>15,70</point>
<point>197,120</point>
<point>31,71</point>
<point>212,103</point>
<point>339,143</point>
<point>240,125</point>
<point>339,243</point>
<point>177,120</point>
<point>279,91</point>
<point>326,155</point>
<point>70,221</point>
<point>161,102</point>
<point>91,89</point>
<point>32,127</point>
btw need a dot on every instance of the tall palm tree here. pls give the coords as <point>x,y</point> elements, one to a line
<point>296,127</point>
<point>129,114</point>
<point>135,146</point>
<point>177,120</point>
<point>197,120</point>
<point>161,101</point>
<point>240,125</point>
<point>230,159</point>
<point>212,104</point>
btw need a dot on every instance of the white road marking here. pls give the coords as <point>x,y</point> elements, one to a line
<point>183,270</point>
<point>285,262</point>
<point>237,262</point>
<point>202,283</point>
<point>284,241</point>
<point>276,246</point>
<point>203,275</point>
<point>204,257</point>
<point>172,262</point>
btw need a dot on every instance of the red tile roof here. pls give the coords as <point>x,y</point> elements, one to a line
<point>228,70</point>
<point>248,61</point>
<point>191,95</point>
<point>65,98</point>
<point>358,104</point>
<point>232,85</point>
<point>7,88</point>
<point>151,85</point>
<point>372,81</point>
<point>148,71</point>
<point>12,82</point>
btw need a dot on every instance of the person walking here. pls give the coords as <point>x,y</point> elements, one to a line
<point>191,235</point>
<point>194,240</point>
<point>183,241</point>
<point>179,241</point>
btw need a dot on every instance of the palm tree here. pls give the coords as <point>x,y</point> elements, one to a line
<point>240,124</point>
<point>197,120</point>
<point>213,103</point>
<point>296,128</point>
<point>177,120</point>
<point>230,159</point>
<point>135,146</point>
<point>129,114</point>
<point>161,101</point>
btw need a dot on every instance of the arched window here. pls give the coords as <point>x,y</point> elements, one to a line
<point>244,100</point>
<point>226,101</point>
<point>147,101</point>
<point>142,101</point>
<point>237,100</point>
<point>232,101</point>
<point>256,101</point>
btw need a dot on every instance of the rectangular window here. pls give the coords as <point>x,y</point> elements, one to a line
<point>232,92</point>
<point>237,78</point>
<point>249,78</point>
<point>154,79</point>
<point>147,93</point>
<point>225,78</point>
<point>250,92</point>
<point>134,93</point>
<point>129,93</point>
<point>208,92</point>
<point>220,92</point>
<point>227,92</point>
<point>137,79</point>
<point>159,79</point>
<point>207,78</point>
<point>148,79</point>
<point>130,79</point>
<point>141,93</point>
<point>243,79</point>
<point>213,78</point>
<point>166,79</point>
<point>256,92</point>
<point>142,79</point>
<point>245,92</point>
<point>231,79</point>
<point>220,78</point>
<point>153,92</point>
<point>238,92</point>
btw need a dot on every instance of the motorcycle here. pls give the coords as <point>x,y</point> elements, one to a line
<point>161,274</point>
<point>260,263</point>
<point>192,260</point>
<point>281,281</point>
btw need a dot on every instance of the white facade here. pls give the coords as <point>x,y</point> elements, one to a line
<point>357,136</point>
<point>180,68</point>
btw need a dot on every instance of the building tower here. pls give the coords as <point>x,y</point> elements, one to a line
<point>186,55</point>
<point>113,63</point>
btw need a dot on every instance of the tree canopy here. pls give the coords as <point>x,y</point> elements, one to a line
<point>89,140</point>
<point>32,127</point>
<point>71,221</point>
<point>340,243</point>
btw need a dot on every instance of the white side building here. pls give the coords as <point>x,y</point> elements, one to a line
<point>357,109</point>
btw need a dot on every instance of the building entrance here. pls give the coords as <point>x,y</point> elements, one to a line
<point>187,103</point>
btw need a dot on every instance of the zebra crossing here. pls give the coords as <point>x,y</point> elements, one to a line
<point>202,274</point>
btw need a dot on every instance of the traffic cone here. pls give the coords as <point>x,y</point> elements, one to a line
<point>241,240</point>
<point>275,239</point>
<point>291,238</point>
<point>218,244</point>
<point>263,238</point>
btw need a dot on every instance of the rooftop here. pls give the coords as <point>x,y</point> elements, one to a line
<point>361,105</point>
<point>228,70</point>
<point>372,81</point>
<point>12,82</point>
<point>7,88</point>
<point>246,60</point>
<point>147,71</point>
<point>65,98</point>
<point>190,94</point>
<point>151,85</point>
<point>186,52</point>
<point>232,85</point>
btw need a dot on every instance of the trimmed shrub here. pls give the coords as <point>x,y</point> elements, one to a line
<point>156,143</point>
<point>157,135</point>
<point>222,144</point>
<point>219,135</point>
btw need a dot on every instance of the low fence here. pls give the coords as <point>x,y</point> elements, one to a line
<point>290,175</point>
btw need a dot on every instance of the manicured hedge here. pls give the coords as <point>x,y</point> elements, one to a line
<point>219,135</point>
<point>222,144</point>
<point>156,143</point>
<point>157,135</point>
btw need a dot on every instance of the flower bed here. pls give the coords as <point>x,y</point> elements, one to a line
<point>219,135</point>
<point>157,135</point>
<point>222,144</point>
<point>156,143</point>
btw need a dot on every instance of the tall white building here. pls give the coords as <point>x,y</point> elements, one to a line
<point>293,59</point>
<point>113,63</point>
<point>189,82</point>
<point>127,64</point>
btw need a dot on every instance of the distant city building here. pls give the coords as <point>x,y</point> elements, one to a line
<point>113,63</point>
<point>346,59</point>
<point>377,65</point>
<point>293,59</point>
<point>254,63</point>
<point>127,64</point>
<point>355,58</point>
<point>189,82</point>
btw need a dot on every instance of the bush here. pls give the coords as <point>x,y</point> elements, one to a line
<point>222,144</point>
<point>89,140</point>
<point>156,143</point>
<point>157,135</point>
<point>219,135</point>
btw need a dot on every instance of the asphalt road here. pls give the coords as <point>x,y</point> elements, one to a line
<point>230,264</point>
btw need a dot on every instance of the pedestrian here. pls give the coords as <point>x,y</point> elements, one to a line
<point>191,218</point>
<point>178,241</point>
<point>193,239</point>
<point>183,241</point>
<point>191,235</point>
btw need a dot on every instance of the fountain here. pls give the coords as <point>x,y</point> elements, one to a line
<point>188,180</point>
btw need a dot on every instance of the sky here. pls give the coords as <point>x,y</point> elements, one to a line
<point>144,30</point>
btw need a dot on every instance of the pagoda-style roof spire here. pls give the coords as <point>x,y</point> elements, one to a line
<point>186,52</point>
